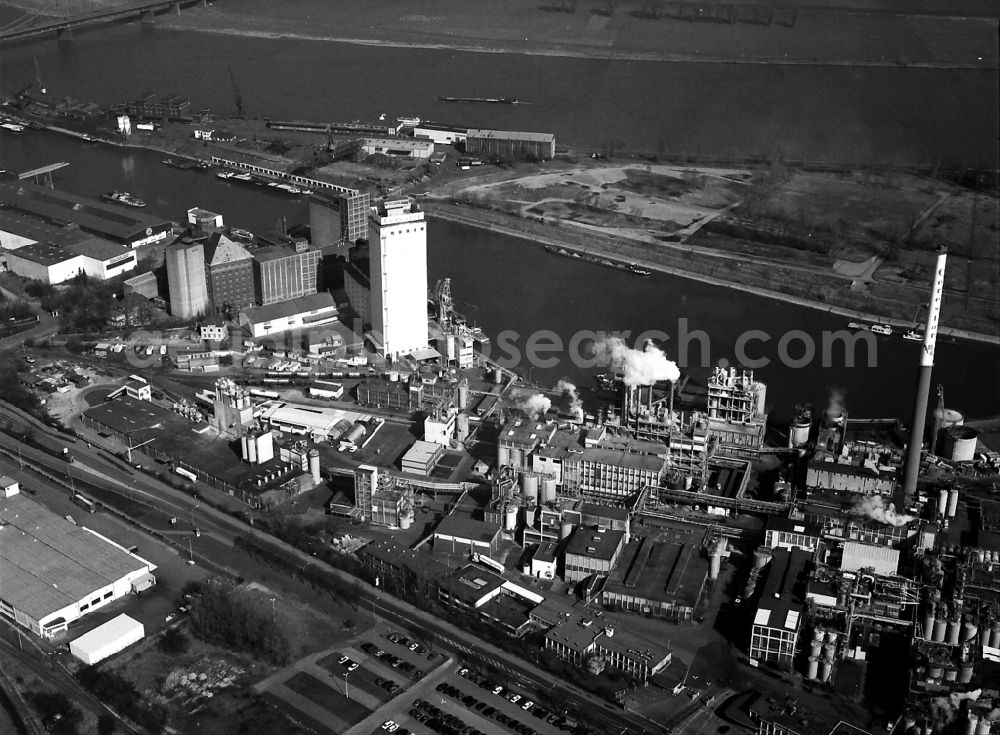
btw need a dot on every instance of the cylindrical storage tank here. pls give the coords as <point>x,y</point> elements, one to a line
<point>503,456</point>
<point>984,634</point>
<point>761,557</point>
<point>960,443</point>
<point>935,671</point>
<point>314,465</point>
<point>799,433</point>
<point>394,376</point>
<point>462,428</point>
<point>813,668</point>
<point>463,395</point>
<point>816,649</point>
<point>951,674</point>
<point>529,516</point>
<point>952,502</point>
<point>688,482</point>
<point>831,636</point>
<point>548,490</point>
<point>249,448</point>
<point>830,651</point>
<point>942,502</point>
<point>565,530</point>
<point>825,669</point>
<point>984,727</point>
<point>515,457</point>
<point>929,623</point>
<point>969,630</point>
<point>965,673</point>
<point>971,722</point>
<point>818,635</point>
<point>954,631</point>
<point>510,518</point>
<point>498,374</point>
<point>995,636</point>
<point>529,486</point>
<point>714,566</point>
<point>405,521</point>
<point>940,628</point>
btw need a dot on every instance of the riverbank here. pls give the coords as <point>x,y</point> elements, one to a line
<point>570,242</point>
<point>626,30</point>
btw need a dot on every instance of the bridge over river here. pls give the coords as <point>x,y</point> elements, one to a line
<point>74,14</point>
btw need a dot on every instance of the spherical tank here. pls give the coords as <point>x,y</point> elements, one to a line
<point>529,486</point>
<point>548,490</point>
<point>960,443</point>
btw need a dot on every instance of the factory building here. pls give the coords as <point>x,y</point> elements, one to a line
<point>203,221</point>
<point>319,422</point>
<point>126,227</point>
<point>397,236</point>
<point>592,551</point>
<point>283,272</point>
<point>398,147</point>
<point>186,279</point>
<point>510,145</point>
<point>228,274</point>
<point>144,285</point>
<point>421,458</point>
<point>151,106</point>
<point>440,134</point>
<point>305,312</point>
<point>737,419</point>
<point>338,218</point>
<point>777,622</point>
<point>786,533</point>
<point>461,533</point>
<point>580,637</point>
<point>53,572</point>
<point>358,288</point>
<point>73,254</point>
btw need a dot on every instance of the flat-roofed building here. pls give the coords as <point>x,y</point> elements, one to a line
<point>592,551</point>
<point>72,255</point>
<point>580,636</point>
<point>604,474</point>
<point>883,559</point>
<point>518,439</point>
<point>390,394</point>
<point>509,144</point>
<point>123,226</point>
<point>305,312</point>
<point>778,619</point>
<point>398,147</point>
<point>464,534</point>
<point>786,533</point>
<point>422,457</point>
<point>441,134</point>
<point>339,218</point>
<point>306,419</point>
<point>53,572</point>
<point>659,574</point>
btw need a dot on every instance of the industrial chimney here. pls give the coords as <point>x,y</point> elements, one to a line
<point>923,382</point>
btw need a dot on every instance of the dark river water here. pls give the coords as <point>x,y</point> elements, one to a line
<point>513,288</point>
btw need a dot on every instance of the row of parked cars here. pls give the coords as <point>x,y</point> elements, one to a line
<point>439,721</point>
<point>394,661</point>
<point>513,697</point>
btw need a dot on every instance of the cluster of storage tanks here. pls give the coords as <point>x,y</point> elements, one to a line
<point>957,441</point>
<point>822,654</point>
<point>947,504</point>
<point>535,490</point>
<point>975,723</point>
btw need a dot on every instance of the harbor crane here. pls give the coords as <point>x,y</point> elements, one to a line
<point>938,418</point>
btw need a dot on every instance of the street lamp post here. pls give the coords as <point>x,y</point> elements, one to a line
<point>274,619</point>
<point>347,692</point>
<point>196,506</point>
<point>190,551</point>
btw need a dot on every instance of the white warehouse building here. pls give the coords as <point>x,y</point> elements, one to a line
<point>53,572</point>
<point>108,639</point>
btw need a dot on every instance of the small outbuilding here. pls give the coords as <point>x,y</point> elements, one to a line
<point>106,640</point>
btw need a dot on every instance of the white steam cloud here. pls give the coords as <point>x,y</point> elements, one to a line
<point>576,403</point>
<point>875,507</point>
<point>639,367</point>
<point>835,404</point>
<point>536,405</point>
<point>946,709</point>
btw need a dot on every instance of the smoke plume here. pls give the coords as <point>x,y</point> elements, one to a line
<point>576,403</point>
<point>835,403</point>
<point>536,405</point>
<point>875,507</point>
<point>946,709</point>
<point>639,367</point>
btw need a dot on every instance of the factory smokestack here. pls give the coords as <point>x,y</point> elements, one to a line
<point>924,382</point>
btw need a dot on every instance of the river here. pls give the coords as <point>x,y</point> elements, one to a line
<point>502,283</point>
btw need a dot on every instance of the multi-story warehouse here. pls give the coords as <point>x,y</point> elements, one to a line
<point>397,237</point>
<point>777,622</point>
<point>186,279</point>
<point>610,474</point>
<point>170,105</point>
<point>284,273</point>
<point>389,394</point>
<point>358,288</point>
<point>53,572</point>
<point>144,284</point>
<point>506,144</point>
<point>338,219</point>
<point>593,551</point>
<point>229,274</point>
